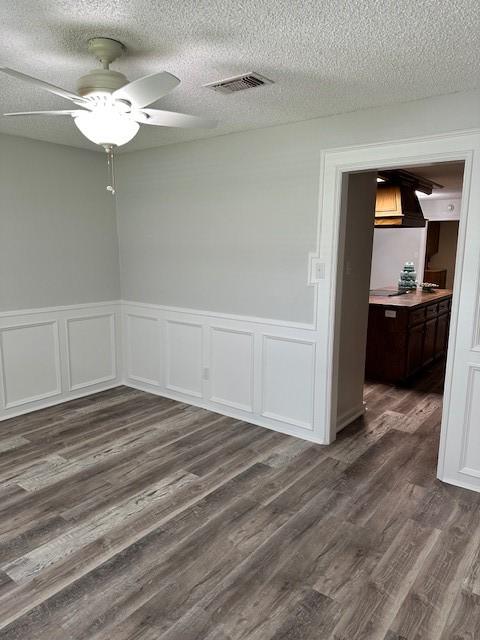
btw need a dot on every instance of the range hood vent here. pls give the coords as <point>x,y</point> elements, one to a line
<point>397,205</point>
<point>239,83</point>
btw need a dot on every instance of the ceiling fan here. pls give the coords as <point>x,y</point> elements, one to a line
<point>110,109</point>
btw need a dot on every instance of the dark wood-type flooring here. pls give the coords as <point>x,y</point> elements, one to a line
<point>127,516</point>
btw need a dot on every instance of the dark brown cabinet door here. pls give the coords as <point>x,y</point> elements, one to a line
<point>415,349</point>
<point>442,335</point>
<point>429,342</point>
<point>403,340</point>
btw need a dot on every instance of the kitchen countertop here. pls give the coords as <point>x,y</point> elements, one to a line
<point>413,299</point>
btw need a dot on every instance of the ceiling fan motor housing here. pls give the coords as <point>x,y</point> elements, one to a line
<point>101,81</point>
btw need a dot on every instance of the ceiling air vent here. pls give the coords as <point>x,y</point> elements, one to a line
<point>239,83</point>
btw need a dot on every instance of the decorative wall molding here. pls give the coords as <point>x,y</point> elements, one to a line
<point>226,364</point>
<point>226,347</point>
<point>215,361</point>
<point>51,355</point>
<point>96,359</point>
<point>30,362</point>
<point>261,373</point>
<point>60,309</point>
<point>470,453</point>
<point>184,357</point>
<point>288,380</point>
<point>142,350</point>
<point>220,316</point>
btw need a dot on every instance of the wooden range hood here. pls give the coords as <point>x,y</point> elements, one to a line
<point>397,204</point>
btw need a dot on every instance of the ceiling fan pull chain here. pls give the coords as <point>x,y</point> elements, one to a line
<point>110,169</point>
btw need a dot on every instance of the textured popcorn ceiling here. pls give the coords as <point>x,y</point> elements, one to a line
<point>325,56</point>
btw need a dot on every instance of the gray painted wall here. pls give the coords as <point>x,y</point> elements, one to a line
<point>226,224</point>
<point>58,239</point>
<point>223,224</point>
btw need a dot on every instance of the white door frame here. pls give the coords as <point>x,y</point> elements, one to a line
<point>464,345</point>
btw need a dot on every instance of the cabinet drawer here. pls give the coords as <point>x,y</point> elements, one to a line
<point>444,306</point>
<point>417,316</point>
<point>432,311</point>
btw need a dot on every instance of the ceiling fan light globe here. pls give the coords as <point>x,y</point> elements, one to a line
<point>107,128</point>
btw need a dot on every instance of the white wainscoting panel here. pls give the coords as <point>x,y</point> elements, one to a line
<point>30,362</point>
<point>259,372</point>
<point>231,368</point>
<point>288,380</point>
<point>470,460</point>
<point>55,354</point>
<point>143,346</point>
<point>91,350</point>
<point>184,358</point>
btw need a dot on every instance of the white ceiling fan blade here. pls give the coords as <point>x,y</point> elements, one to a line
<point>64,93</point>
<point>172,119</point>
<point>147,89</point>
<point>68,112</point>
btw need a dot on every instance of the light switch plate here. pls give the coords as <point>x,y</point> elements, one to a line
<point>316,270</point>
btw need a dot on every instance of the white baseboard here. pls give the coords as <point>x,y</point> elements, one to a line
<point>45,404</point>
<point>231,413</point>
<point>465,484</point>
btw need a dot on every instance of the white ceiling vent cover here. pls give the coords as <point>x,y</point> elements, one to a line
<point>239,83</point>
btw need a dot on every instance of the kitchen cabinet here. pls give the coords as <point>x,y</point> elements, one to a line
<point>441,338</point>
<point>414,350</point>
<point>436,276</point>
<point>406,333</point>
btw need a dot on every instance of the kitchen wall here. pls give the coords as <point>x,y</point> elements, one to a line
<point>446,256</point>
<point>437,208</point>
<point>58,238</point>
<point>226,224</point>
<point>391,249</point>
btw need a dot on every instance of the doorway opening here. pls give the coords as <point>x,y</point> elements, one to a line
<point>395,282</point>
